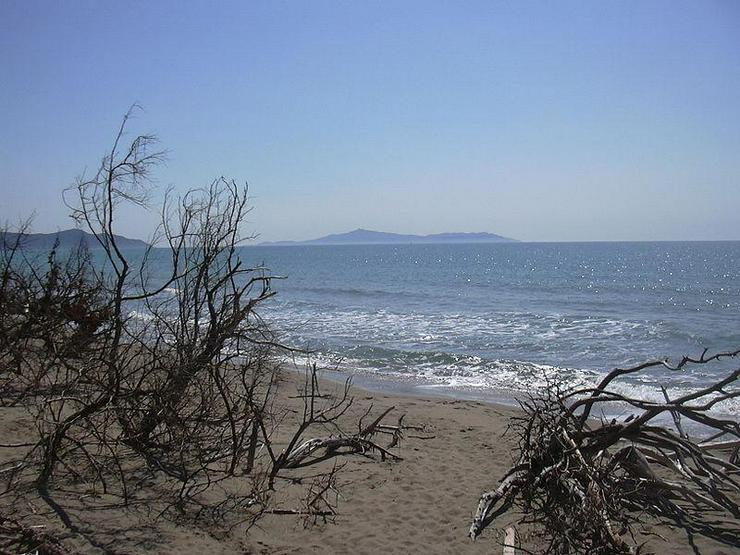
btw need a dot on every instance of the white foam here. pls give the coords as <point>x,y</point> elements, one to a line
<point>141,315</point>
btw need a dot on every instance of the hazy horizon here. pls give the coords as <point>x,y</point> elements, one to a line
<point>258,241</point>
<point>539,122</point>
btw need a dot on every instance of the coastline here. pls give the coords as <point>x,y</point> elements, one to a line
<point>424,503</point>
<point>411,386</point>
<point>421,504</point>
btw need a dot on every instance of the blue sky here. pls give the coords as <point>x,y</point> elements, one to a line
<point>535,120</point>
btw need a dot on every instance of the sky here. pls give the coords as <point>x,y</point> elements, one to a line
<point>543,121</point>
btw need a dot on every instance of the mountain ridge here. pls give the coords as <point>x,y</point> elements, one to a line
<point>362,236</point>
<point>68,238</point>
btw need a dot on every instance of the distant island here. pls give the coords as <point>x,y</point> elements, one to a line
<point>368,237</point>
<point>69,238</point>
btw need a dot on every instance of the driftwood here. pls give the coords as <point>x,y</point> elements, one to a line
<point>588,485</point>
<point>16,537</point>
<point>510,541</point>
<point>306,454</point>
<point>319,437</point>
<point>316,450</point>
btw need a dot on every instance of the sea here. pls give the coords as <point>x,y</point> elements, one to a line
<point>498,321</point>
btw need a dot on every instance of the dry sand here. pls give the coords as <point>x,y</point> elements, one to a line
<point>422,504</point>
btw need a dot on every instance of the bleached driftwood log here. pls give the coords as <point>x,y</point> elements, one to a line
<point>510,541</point>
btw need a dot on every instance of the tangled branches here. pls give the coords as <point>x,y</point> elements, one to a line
<point>302,452</point>
<point>149,367</point>
<point>18,538</point>
<point>590,484</point>
<point>320,434</point>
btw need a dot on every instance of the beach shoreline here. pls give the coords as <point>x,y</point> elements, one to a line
<point>424,503</point>
<point>456,450</point>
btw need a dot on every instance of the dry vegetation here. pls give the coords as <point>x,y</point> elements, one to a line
<point>134,381</point>
<point>590,485</point>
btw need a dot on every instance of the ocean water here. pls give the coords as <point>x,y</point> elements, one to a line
<point>499,320</point>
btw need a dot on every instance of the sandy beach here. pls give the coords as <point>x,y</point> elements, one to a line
<point>421,504</point>
<point>424,503</point>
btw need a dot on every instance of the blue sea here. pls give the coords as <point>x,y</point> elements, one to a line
<point>494,321</point>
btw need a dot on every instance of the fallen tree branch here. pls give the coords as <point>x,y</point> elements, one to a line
<point>305,454</point>
<point>588,486</point>
<point>16,537</point>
